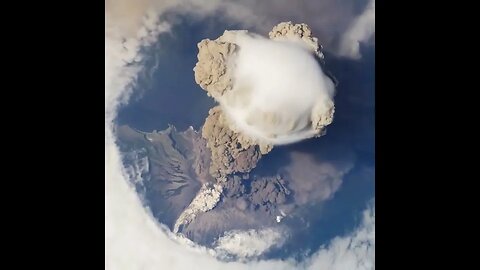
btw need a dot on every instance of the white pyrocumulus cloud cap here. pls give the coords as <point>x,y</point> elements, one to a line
<point>278,87</point>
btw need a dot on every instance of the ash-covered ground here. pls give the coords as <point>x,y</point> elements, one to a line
<point>168,169</point>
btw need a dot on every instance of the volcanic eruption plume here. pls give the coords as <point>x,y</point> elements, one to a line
<point>270,91</point>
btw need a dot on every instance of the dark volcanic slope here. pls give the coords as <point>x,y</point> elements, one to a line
<point>169,167</point>
<point>166,168</point>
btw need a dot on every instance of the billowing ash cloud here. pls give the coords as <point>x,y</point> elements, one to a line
<point>273,91</point>
<point>231,152</point>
